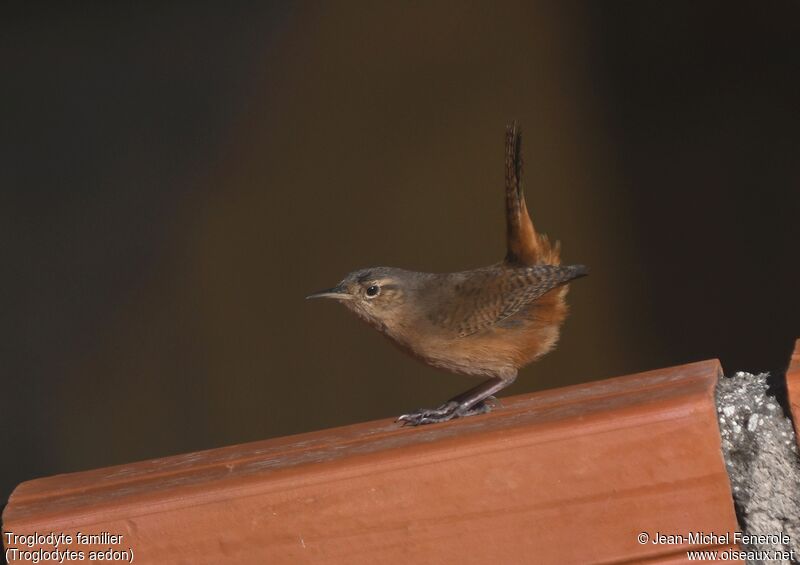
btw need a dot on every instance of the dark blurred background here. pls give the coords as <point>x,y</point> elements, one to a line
<point>175,179</point>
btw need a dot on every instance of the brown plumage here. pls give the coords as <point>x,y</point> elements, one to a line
<point>485,322</point>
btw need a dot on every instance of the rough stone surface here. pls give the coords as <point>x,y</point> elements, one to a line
<point>762,458</point>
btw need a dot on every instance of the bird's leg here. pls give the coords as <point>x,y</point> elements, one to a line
<point>483,407</point>
<point>476,400</point>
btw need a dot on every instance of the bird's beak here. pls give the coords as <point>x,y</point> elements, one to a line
<point>336,292</point>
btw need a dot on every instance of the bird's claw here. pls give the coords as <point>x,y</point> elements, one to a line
<point>447,411</point>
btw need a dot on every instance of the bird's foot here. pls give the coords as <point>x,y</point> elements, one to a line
<point>443,413</point>
<point>447,411</point>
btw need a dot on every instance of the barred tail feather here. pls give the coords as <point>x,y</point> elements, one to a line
<point>524,245</point>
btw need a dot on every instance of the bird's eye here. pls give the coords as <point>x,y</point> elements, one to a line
<point>373,291</point>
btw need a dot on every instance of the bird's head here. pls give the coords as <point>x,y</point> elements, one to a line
<point>376,294</point>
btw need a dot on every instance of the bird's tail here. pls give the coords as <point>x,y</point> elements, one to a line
<point>525,246</point>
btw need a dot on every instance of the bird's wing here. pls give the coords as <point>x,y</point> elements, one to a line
<point>480,299</point>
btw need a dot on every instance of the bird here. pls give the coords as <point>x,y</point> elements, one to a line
<point>487,322</point>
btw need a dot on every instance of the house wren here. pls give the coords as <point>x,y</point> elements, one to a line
<point>486,322</point>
